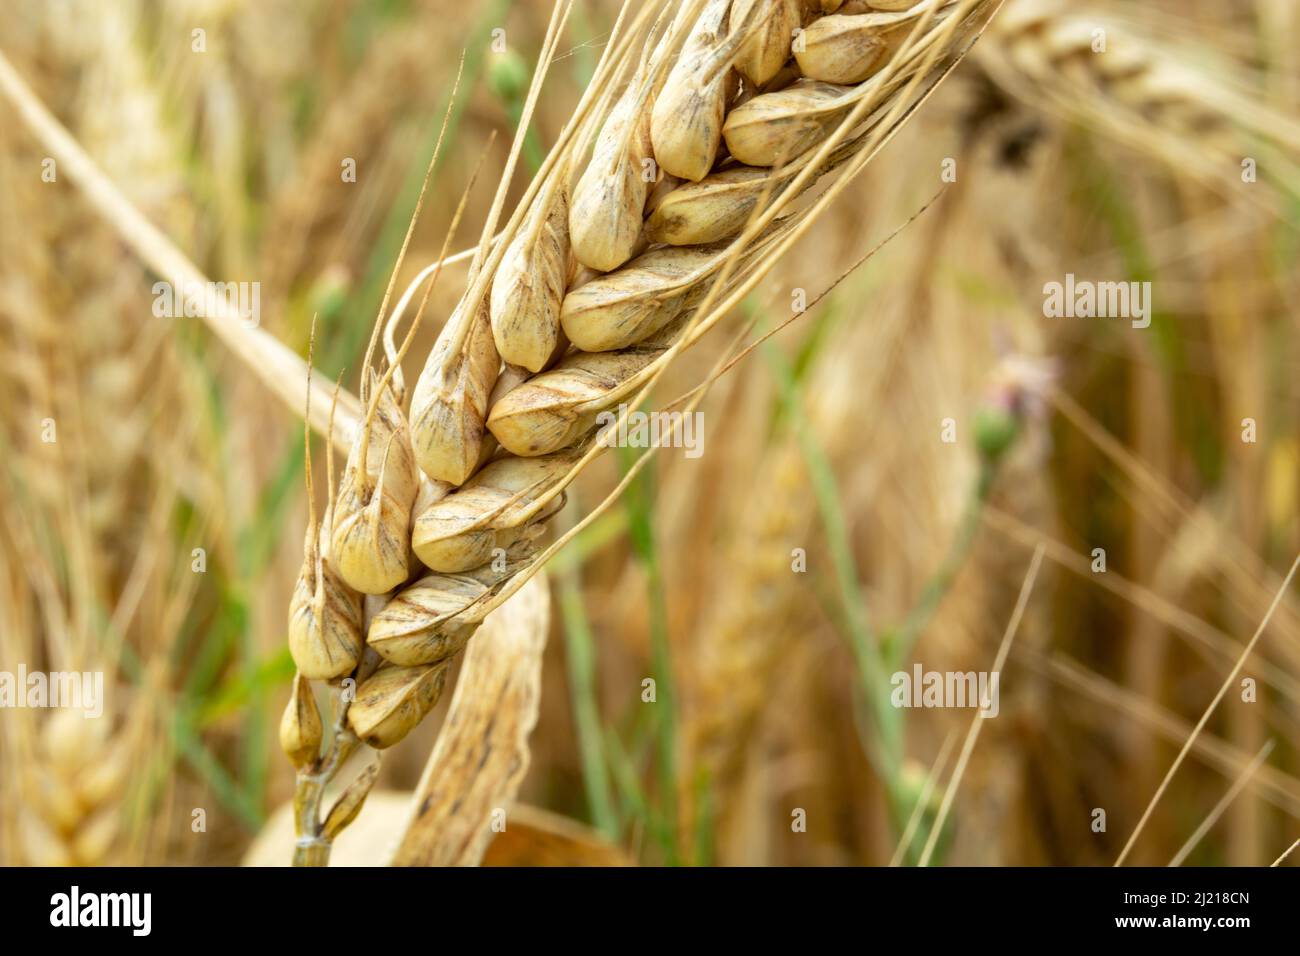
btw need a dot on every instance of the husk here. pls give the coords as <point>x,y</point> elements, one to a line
<point>620,309</point>
<point>393,701</point>
<point>491,510</point>
<point>432,619</point>
<point>686,120</point>
<point>778,126</point>
<point>841,49</point>
<point>715,208</point>
<point>450,402</point>
<point>529,286</point>
<point>554,410</point>
<point>768,49</point>
<point>325,637</point>
<point>301,730</point>
<point>372,513</point>
<point>609,200</point>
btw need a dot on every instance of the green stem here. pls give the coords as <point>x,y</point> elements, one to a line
<point>940,583</point>
<point>580,651</point>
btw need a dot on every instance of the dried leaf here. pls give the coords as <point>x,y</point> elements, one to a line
<point>481,755</point>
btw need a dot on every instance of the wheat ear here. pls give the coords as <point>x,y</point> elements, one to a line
<point>1152,96</point>
<point>477,540</point>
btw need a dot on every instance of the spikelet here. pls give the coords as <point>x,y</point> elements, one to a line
<point>492,510</point>
<point>609,200</point>
<point>842,49</point>
<point>556,409</point>
<point>393,701</point>
<point>529,287</point>
<point>372,514</point>
<point>350,802</point>
<point>432,620</point>
<point>767,49</point>
<point>891,6</point>
<point>450,402</point>
<point>716,207</point>
<point>686,120</point>
<point>624,307</point>
<point>779,126</point>
<point>324,614</point>
<point>300,725</point>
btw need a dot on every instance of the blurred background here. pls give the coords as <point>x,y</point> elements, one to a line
<point>158,538</point>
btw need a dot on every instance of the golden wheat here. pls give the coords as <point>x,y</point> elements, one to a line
<point>474,516</point>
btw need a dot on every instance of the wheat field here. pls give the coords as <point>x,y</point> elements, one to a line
<point>687,433</point>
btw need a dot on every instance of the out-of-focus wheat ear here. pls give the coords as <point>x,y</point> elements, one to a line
<point>392,702</point>
<point>767,48</point>
<point>70,812</point>
<point>492,510</point>
<point>39,843</point>
<point>556,409</point>
<point>432,619</point>
<point>301,730</point>
<point>686,120</point>
<point>276,365</point>
<point>530,284</point>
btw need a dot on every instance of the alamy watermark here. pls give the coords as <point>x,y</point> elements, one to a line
<point>922,688</point>
<point>74,690</point>
<point>652,430</point>
<point>1084,299</point>
<point>133,911</point>
<point>197,300</point>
